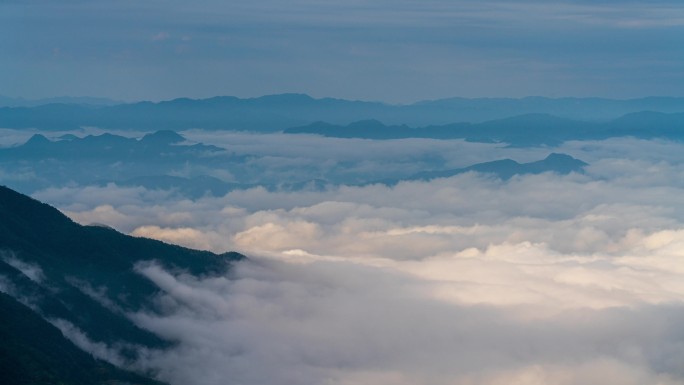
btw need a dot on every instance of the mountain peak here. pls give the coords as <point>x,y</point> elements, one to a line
<point>559,158</point>
<point>163,137</point>
<point>285,98</point>
<point>367,124</point>
<point>36,140</point>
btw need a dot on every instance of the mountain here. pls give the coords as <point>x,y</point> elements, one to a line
<point>109,147</point>
<point>267,113</point>
<point>162,160</point>
<point>33,351</point>
<point>83,277</point>
<point>276,112</point>
<point>107,158</point>
<point>531,129</point>
<point>520,131</point>
<point>366,129</point>
<point>165,161</point>
<point>647,125</point>
<point>507,168</point>
<point>590,109</point>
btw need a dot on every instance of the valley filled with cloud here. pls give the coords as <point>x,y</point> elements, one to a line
<point>472,279</point>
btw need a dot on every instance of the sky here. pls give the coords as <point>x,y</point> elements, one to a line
<point>393,51</point>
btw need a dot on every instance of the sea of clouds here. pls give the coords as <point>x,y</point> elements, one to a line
<point>541,279</point>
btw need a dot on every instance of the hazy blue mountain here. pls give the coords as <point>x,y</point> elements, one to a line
<point>98,159</point>
<point>267,113</point>
<point>158,161</point>
<point>369,129</point>
<point>506,168</point>
<point>109,146</point>
<point>522,130</point>
<point>85,274</point>
<point>531,129</point>
<point>277,112</point>
<point>647,125</point>
<point>164,161</point>
<point>590,109</point>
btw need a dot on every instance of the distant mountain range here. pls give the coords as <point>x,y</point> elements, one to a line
<point>505,168</point>
<point>56,272</point>
<point>277,112</point>
<point>160,146</point>
<point>522,130</point>
<point>105,158</point>
<point>154,160</point>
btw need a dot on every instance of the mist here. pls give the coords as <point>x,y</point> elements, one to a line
<point>554,279</point>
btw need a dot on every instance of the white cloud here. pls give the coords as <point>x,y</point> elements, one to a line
<point>345,323</point>
<point>79,338</point>
<point>30,270</point>
<point>542,279</point>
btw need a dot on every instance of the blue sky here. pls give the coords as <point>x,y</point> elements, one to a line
<point>395,51</point>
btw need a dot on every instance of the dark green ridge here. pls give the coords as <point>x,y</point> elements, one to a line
<point>77,261</point>
<point>33,351</point>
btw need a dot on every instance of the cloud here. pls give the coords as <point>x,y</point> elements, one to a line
<point>184,235</point>
<point>541,279</point>
<point>344,323</point>
<point>79,338</point>
<point>32,271</point>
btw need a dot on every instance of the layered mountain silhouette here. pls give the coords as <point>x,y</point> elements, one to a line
<point>159,146</point>
<point>277,112</point>
<point>521,131</point>
<point>107,158</point>
<point>505,168</point>
<point>53,269</point>
<point>153,162</point>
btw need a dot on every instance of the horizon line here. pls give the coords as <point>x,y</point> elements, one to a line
<point>106,101</point>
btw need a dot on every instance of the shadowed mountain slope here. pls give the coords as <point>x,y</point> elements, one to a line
<point>84,276</point>
<point>35,352</point>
